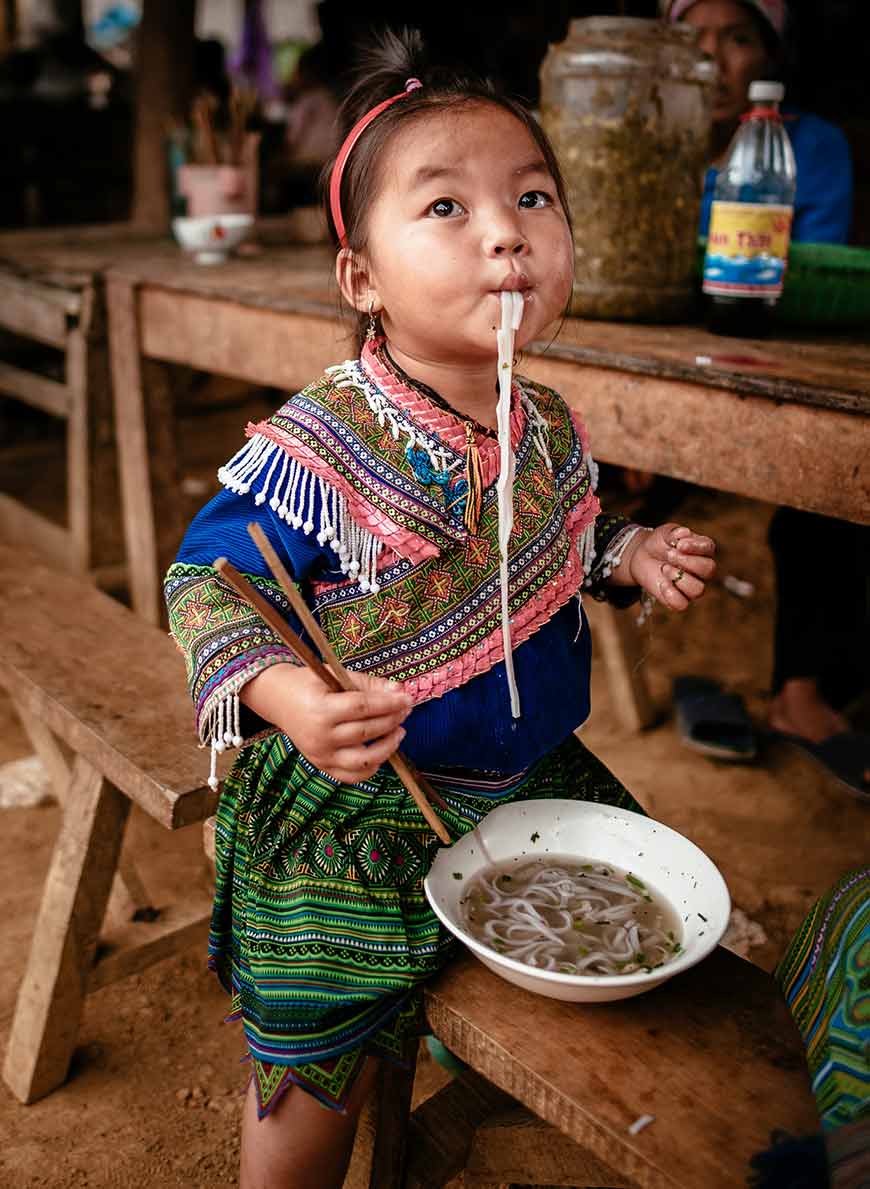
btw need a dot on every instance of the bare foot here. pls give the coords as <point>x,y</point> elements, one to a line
<point>799,709</point>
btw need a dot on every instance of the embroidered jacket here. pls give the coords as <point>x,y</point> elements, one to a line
<point>359,480</point>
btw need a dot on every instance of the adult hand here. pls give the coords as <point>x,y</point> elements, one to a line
<point>347,735</point>
<point>673,564</point>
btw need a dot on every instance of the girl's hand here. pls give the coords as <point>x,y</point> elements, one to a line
<point>346,735</point>
<point>672,564</point>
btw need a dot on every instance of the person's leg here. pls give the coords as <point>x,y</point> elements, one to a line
<point>300,1144</point>
<point>821,622</point>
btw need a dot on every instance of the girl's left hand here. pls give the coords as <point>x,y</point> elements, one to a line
<point>673,564</point>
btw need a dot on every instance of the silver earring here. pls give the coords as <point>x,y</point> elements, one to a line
<point>372,328</point>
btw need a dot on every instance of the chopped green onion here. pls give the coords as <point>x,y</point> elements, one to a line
<point>635,882</point>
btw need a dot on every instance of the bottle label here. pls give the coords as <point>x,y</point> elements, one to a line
<point>747,249</point>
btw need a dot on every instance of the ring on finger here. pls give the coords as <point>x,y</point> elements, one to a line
<point>678,577</point>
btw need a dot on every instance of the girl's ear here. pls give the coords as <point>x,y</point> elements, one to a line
<point>355,281</point>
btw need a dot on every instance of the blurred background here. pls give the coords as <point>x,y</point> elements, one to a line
<point>92,92</point>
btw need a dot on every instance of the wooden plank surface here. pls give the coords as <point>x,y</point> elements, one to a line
<point>20,525</point>
<point>263,346</point>
<point>782,452</point>
<point>34,390</point>
<point>832,370</point>
<point>805,455</point>
<point>802,366</point>
<point>90,668</point>
<point>36,310</point>
<point>126,949</point>
<point>131,429</point>
<point>49,1005</point>
<point>713,1055</point>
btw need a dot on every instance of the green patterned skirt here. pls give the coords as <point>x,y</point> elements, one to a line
<point>321,929</point>
<point>825,976</point>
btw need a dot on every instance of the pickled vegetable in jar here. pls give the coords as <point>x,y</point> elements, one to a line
<point>627,105</point>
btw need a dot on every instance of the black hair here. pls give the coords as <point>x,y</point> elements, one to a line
<point>383,67</point>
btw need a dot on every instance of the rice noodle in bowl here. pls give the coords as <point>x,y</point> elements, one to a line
<point>527,892</point>
<point>556,913</point>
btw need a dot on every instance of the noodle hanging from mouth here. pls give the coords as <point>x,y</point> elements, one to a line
<point>512,308</point>
<point>572,918</point>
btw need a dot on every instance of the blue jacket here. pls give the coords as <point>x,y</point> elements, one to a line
<point>823,203</point>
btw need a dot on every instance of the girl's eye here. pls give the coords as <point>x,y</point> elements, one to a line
<point>443,208</point>
<point>535,198</point>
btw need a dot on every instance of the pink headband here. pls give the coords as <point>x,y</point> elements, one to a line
<point>773,11</point>
<point>352,137</point>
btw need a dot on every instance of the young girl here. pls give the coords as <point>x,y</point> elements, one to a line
<point>377,486</point>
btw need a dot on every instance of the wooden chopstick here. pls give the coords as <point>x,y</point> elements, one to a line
<point>402,767</point>
<point>333,680</point>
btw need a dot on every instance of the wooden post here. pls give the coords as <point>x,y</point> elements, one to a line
<point>621,646</point>
<point>129,899</point>
<point>164,89</point>
<point>153,522</point>
<point>378,1160</point>
<point>49,1006</point>
<point>8,25</point>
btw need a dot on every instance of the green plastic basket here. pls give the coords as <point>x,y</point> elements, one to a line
<point>826,285</point>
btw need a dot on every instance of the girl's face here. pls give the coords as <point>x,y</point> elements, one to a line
<point>730,35</point>
<point>465,208</point>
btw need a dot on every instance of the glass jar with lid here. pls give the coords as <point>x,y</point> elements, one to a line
<point>627,104</point>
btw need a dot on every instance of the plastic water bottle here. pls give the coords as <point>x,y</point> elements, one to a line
<point>750,223</point>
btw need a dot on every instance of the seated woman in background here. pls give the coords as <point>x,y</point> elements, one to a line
<point>821,634</point>
<point>743,37</point>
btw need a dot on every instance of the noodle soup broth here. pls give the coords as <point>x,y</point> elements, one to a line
<point>572,916</point>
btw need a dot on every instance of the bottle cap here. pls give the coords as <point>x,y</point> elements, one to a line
<point>766,92</point>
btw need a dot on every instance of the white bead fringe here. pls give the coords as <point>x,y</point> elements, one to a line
<point>221,729</point>
<point>290,489</point>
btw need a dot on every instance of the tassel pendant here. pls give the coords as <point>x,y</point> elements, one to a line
<point>474,479</point>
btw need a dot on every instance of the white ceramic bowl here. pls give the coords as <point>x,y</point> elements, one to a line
<point>662,858</point>
<point>211,238</point>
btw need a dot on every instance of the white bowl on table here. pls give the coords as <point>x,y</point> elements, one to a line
<point>664,860</point>
<point>211,238</point>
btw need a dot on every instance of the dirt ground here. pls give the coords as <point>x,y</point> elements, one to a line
<point>153,1096</point>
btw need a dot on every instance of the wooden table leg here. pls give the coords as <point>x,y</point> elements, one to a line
<point>378,1160</point>
<point>131,428</point>
<point>49,1006</point>
<point>146,430</point>
<point>620,644</point>
<point>129,899</point>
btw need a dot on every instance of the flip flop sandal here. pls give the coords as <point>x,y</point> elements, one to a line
<point>713,722</point>
<point>845,757</point>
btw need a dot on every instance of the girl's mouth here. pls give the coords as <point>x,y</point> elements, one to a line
<point>516,282</point>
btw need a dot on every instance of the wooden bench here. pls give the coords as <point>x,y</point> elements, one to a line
<point>66,314</point>
<point>553,1089</point>
<point>101,694</point>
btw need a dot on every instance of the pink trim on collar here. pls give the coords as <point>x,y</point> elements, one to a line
<point>449,427</point>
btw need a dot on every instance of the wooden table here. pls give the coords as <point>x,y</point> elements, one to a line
<point>711,1062</point>
<point>784,421</point>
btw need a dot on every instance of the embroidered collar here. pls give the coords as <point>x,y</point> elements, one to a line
<point>381,351</point>
<point>439,420</point>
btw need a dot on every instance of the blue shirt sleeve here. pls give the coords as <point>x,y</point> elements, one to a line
<point>823,201</point>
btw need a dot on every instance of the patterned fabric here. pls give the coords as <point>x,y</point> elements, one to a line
<point>343,457</point>
<point>436,621</point>
<point>321,929</point>
<point>825,976</point>
<point>224,642</point>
